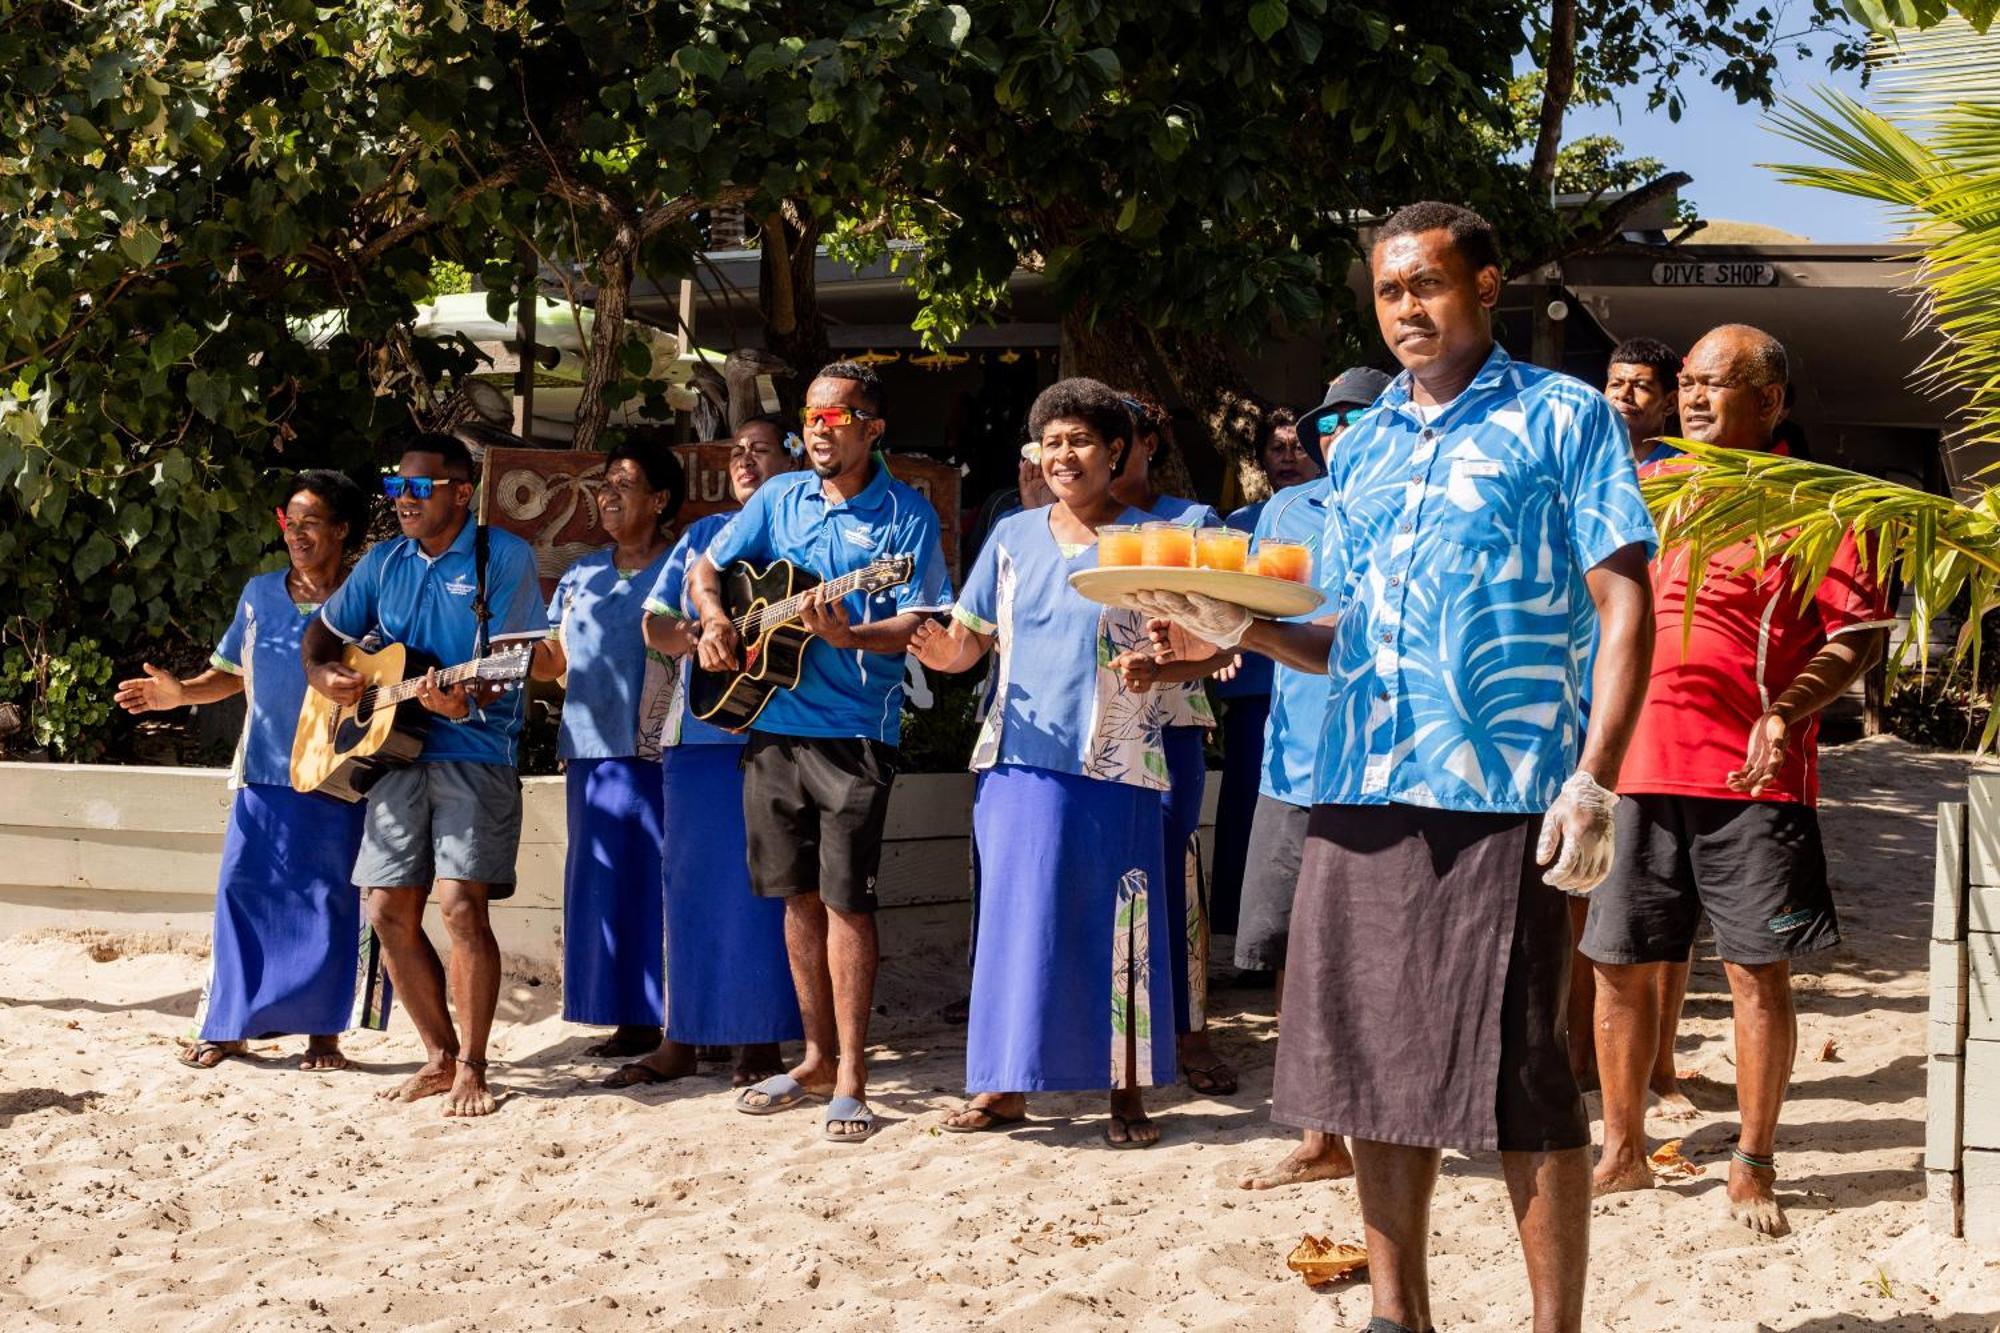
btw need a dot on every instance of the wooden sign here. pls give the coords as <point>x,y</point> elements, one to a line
<point>548,497</point>
<point>1714,273</point>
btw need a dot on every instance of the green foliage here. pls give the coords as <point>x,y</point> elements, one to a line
<point>65,694</point>
<point>1886,16</point>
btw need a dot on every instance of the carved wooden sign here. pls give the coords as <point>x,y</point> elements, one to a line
<point>548,497</point>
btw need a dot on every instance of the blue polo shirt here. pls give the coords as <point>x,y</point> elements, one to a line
<point>262,646</point>
<point>425,604</point>
<point>839,693</point>
<point>1298,698</point>
<point>597,610</point>
<point>1457,540</point>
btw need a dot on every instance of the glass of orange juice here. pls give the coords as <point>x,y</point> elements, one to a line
<point>1163,543</point>
<point>1221,548</point>
<point>1291,561</point>
<point>1119,544</point>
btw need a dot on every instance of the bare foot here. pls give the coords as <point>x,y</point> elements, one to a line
<point>433,1079</point>
<point>628,1040</point>
<point>1319,1157</point>
<point>1670,1103</point>
<point>1621,1172</point>
<point>1753,1199</point>
<point>469,1094</point>
<point>1129,1126</point>
<point>209,1054</point>
<point>323,1053</point>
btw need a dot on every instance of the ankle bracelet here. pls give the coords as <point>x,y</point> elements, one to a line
<point>1750,1159</point>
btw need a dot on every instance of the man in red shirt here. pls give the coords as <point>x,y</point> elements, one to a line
<point>1711,822</point>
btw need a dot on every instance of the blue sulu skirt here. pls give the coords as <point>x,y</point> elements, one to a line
<point>287,918</point>
<point>611,897</point>
<point>1072,938</point>
<point>729,982</point>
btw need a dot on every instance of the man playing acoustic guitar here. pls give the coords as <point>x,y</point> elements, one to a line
<point>821,756</point>
<point>453,818</point>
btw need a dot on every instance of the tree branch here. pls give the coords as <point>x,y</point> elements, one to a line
<point>1607,224</point>
<point>372,251</point>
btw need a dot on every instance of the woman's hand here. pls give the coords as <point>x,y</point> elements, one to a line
<point>153,692</point>
<point>933,646</point>
<point>1137,671</point>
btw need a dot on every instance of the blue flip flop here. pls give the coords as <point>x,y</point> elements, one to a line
<point>781,1093</point>
<point>842,1109</point>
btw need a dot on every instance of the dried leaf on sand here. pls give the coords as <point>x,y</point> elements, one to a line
<point>1319,1260</point>
<point>1667,1161</point>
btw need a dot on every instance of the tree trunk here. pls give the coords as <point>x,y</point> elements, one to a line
<point>1118,351</point>
<point>788,299</point>
<point>1231,412</point>
<point>613,272</point>
<point>1558,85</point>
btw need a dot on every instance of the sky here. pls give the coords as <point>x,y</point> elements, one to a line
<point>1720,144</point>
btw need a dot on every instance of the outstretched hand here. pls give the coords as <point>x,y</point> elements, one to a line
<point>1209,619</point>
<point>933,645</point>
<point>151,693</point>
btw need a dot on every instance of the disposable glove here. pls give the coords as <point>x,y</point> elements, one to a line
<point>1220,623</point>
<point>1579,826</point>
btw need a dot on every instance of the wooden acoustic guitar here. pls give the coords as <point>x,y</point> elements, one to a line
<point>764,605</point>
<point>341,749</point>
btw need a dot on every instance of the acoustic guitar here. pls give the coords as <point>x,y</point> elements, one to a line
<point>341,750</point>
<point>764,605</point>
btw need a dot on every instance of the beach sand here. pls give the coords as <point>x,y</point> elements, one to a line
<point>137,1194</point>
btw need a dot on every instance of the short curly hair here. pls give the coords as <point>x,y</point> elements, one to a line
<point>339,493</point>
<point>1094,403</point>
<point>1471,235</point>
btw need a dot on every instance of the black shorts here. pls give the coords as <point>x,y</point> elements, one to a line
<point>1756,868</point>
<point>1270,880</point>
<point>813,808</point>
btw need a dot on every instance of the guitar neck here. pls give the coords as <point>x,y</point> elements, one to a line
<point>787,610</point>
<point>388,696</point>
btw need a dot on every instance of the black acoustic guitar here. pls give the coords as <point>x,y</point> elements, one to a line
<point>764,605</point>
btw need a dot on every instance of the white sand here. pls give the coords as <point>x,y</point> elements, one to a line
<point>138,1194</point>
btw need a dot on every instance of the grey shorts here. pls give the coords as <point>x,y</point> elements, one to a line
<point>1756,869</point>
<point>1270,880</point>
<point>446,820</point>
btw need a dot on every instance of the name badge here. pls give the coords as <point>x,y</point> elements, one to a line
<point>1476,467</point>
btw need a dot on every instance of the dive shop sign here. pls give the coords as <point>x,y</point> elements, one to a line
<point>1714,273</point>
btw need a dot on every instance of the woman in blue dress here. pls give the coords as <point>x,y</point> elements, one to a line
<point>287,933</point>
<point>728,980</point>
<point>1071,988</point>
<point>1188,720</point>
<point>614,703</point>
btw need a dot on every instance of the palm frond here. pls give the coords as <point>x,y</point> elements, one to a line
<point>1798,512</point>
<point>1933,155</point>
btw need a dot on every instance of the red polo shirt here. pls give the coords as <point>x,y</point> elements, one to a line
<point>1753,632</point>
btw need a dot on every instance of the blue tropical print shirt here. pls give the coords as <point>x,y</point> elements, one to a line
<point>1459,547</point>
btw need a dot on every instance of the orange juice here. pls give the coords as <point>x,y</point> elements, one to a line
<point>1285,560</point>
<point>1167,544</point>
<point>1221,548</point>
<point>1119,544</point>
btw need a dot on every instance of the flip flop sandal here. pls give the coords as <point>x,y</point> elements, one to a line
<point>994,1121</point>
<point>851,1110</point>
<point>635,1075</point>
<point>781,1092</point>
<point>191,1056</point>
<point>1219,1078</point>
<point>1128,1141</point>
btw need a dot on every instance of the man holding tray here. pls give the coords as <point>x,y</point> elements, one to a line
<point>1482,516</point>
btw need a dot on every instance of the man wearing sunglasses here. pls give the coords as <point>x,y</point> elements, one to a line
<point>451,820</point>
<point>821,756</point>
